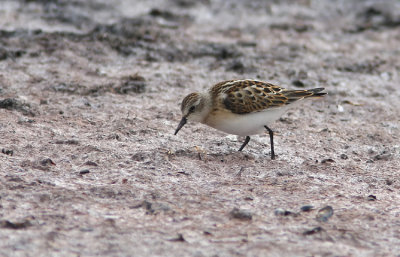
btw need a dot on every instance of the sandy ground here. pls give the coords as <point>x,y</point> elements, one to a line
<point>89,100</point>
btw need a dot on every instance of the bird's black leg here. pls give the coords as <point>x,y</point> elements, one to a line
<point>271,137</point>
<point>245,143</point>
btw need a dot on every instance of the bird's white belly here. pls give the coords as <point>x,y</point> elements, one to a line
<point>244,124</point>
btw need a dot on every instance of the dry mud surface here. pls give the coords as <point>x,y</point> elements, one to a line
<point>89,100</point>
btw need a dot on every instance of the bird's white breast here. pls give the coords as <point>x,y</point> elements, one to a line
<point>244,124</point>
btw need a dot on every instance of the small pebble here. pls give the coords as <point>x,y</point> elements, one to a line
<point>325,213</point>
<point>86,229</point>
<point>241,214</point>
<point>7,152</point>
<point>67,142</point>
<point>15,225</point>
<point>207,233</point>
<point>371,198</point>
<point>178,238</point>
<point>312,231</point>
<point>298,83</point>
<point>385,76</point>
<point>282,212</point>
<point>329,160</point>
<point>90,163</point>
<point>82,172</point>
<point>155,207</point>
<point>46,162</point>
<point>279,212</point>
<point>384,156</point>
<point>307,208</point>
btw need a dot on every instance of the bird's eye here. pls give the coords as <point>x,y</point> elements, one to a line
<point>191,109</point>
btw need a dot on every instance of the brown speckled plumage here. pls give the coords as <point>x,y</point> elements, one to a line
<point>247,96</point>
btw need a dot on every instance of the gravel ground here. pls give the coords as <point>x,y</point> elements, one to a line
<point>89,100</point>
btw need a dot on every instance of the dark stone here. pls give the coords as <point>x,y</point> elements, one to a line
<point>307,208</point>
<point>282,212</point>
<point>7,151</point>
<point>135,84</point>
<point>46,162</point>
<point>14,104</point>
<point>298,83</point>
<point>324,214</point>
<point>312,231</point>
<point>83,172</point>
<point>241,214</point>
<point>15,225</point>
<point>90,163</point>
<point>329,160</point>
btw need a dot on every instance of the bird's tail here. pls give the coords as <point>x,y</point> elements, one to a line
<point>300,94</point>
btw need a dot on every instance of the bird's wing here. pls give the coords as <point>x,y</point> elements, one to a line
<point>247,96</point>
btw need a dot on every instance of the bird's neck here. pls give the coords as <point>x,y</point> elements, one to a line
<point>206,106</point>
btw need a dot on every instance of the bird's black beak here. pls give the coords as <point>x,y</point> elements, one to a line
<point>181,124</point>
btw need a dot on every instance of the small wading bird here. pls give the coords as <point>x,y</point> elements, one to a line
<point>242,107</point>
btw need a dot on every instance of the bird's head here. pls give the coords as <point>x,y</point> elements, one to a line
<point>193,109</point>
